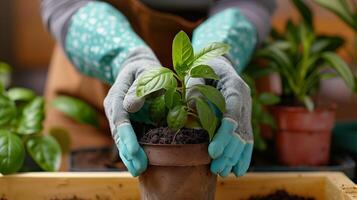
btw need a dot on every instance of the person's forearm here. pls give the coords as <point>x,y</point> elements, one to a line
<point>56,15</point>
<point>258,12</point>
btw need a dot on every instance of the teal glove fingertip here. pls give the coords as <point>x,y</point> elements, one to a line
<point>222,138</point>
<point>243,165</point>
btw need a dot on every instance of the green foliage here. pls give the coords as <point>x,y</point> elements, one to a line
<point>342,9</point>
<point>45,151</point>
<point>172,101</point>
<point>76,109</point>
<point>303,58</point>
<point>12,153</point>
<point>21,122</point>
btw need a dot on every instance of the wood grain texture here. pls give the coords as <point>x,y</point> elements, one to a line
<point>120,185</point>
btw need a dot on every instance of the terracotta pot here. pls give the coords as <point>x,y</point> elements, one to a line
<point>303,137</point>
<point>177,172</point>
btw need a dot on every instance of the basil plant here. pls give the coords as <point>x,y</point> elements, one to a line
<point>167,88</point>
<point>303,58</point>
<point>21,119</point>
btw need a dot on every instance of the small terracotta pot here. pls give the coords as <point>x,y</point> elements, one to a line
<point>177,172</point>
<point>303,137</point>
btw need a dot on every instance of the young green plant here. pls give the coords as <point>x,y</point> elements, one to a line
<point>170,87</point>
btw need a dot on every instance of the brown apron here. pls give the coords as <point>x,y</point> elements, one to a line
<point>156,28</point>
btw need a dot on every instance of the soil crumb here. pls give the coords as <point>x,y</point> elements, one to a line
<point>280,195</point>
<point>164,135</point>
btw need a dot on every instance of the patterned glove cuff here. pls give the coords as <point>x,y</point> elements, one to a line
<point>97,35</point>
<point>229,26</point>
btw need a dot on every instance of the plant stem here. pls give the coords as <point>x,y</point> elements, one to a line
<point>193,114</point>
<point>174,138</point>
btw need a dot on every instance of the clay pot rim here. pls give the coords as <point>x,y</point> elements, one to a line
<point>302,109</point>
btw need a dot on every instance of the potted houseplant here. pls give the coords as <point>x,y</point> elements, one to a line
<point>177,148</point>
<point>303,58</point>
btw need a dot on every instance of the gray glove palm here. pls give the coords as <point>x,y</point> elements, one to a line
<point>232,146</point>
<point>122,98</point>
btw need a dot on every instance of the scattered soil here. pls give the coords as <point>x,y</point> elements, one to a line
<point>280,195</point>
<point>164,135</point>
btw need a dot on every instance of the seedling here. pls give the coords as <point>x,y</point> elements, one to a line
<point>170,88</point>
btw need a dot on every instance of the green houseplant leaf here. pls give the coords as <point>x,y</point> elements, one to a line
<point>77,109</point>
<point>177,117</point>
<point>154,80</point>
<point>21,94</point>
<point>172,98</point>
<point>203,71</point>
<point>341,68</point>
<point>45,151</point>
<point>32,117</point>
<point>268,98</point>
<point>212,51</point>
<point>62,137</point>
<point>157,108</point>
<point>304,11</point>
<point>213,95</point>
<point>182,53</point>
<point>7,110</point>
<point>12,152</point>
<point>341,9</point>
<point>207,117</point>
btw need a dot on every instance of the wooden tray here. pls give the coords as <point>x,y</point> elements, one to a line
<point>120,185</point>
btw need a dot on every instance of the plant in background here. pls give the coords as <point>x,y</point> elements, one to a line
<point>170,88</point>
<point>5,75</point>
<point>21,118</point>
<point>303,58</point>
<point>347,11</point>
<point>260,116</point>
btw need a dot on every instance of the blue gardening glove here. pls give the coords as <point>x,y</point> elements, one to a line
<point>101,44</point>
<point>231,148</point>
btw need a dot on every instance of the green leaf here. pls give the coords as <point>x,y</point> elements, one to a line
<point>268,98</point>
<point>157,109</point>
<point>268,119</point>
<point>177,117</point>
<point>341,9</point>
<point>327,43</point>
<point>304,11</point>
<point>207,117</point>
<point>45,151</point>
<point>77,109</point>
<point>172,98</point>
<point>21,94</point>
<point>309,104</point>
<point>182,53</point>
<point>203,71</point>
<point>259,142</point>
<point>212,51</point>
<point>5,74</point>
<point>341,68</point>
<point>32,117</point>
<point>193,123</point>
<point>7,110</point>
<point>12,152</point>
<point>213,95</point>
<point>154,80</point>
<point>62,137</point>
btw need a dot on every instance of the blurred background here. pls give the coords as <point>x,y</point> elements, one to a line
<point>26,45</point>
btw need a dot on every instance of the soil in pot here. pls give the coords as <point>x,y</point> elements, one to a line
<point>178,165</point>
<point>280,195</point>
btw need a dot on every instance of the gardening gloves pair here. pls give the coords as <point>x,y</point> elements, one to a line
<point>101,44</point>
<point>232,146</point>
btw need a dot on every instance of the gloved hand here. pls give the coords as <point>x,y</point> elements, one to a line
<point>231,148</point>
<point>122,98</point>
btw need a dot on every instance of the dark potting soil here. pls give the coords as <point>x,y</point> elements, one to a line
<point>164,135</point>
<point>280,195</point>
